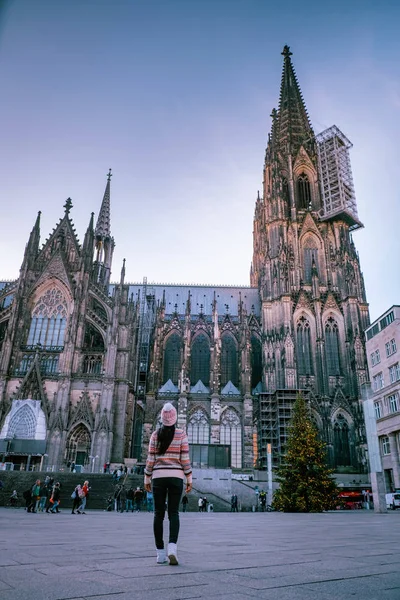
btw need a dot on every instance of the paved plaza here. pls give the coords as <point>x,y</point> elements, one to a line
<point>110,556</point>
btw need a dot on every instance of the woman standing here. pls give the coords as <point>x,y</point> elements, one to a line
<point>166,467</point>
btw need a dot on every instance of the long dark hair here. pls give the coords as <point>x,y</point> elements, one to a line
<point>165,435</point>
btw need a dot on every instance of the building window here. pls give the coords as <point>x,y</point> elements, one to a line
<point>386,320</point>
<point>229,361</point>
<point>303,192</point>
<point>310,256</point>
<point>3,332</point>
<point>393,403</point>
<point>93,339</point>
<point>304,354</point>
<point>256,361</point>
<point>378,382</point>
<point>391,347</point>
<point>172,358</point>
<point>49,364</point>
<point>332,347</point>
<point>341,441</point>
<point>394,373</point>
<point>385,445</point>
<point>378,410</point>
<point>198,428</point>
<point>49,319</point>
<point>200,360</point>
<point>375,358</point>
<point>231,435</point>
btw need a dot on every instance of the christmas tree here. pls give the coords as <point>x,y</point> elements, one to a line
<point>306,483</point>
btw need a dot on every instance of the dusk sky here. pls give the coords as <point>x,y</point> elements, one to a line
<point>175,97</point>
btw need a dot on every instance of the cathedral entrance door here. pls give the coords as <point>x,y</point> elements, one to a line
<point>80,458</point>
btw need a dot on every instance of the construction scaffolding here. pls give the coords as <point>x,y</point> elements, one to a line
<point>337,188</point>
<point>273,419</point>
<point>145,329</point>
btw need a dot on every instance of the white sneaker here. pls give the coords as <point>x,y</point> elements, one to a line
<point>173,554</point>
<point>161,557</point>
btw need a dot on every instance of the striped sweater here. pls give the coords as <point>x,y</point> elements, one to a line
<point>174,463</point>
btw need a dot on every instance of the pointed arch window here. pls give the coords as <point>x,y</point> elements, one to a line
<point>229,360</point>
<point>23,424</point>
<point>198,428</point>
<point>93,339</point>
<point>303,192</point>
<point>256,361</point>
<point>332,347</point>
<point>172,358</point>
<point>304,352</point>
<point>341,441</point>
<point>310,257</point>
<point>3,332</point>
<point>49,320</point>
<point>231,435</point>
<point>200,360</point>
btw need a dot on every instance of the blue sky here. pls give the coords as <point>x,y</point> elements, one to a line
<point>175,96</point>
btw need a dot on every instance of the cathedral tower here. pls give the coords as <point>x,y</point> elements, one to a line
<point>305,264</point>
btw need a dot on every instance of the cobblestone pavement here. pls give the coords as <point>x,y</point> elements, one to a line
<point>222,556</point>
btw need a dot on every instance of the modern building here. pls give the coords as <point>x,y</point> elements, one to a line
<point>86,365</point>
<point>383,355</point>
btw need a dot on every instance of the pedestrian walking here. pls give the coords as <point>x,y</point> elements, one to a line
<point>185,501</point>
<point>166,467</point>
<point>234,503</point>
<point>35,497</point>
<point>43,497</point>
<point>129,499</point>
<point>200,504</point>
<point>122,497</point>
<point>84,495</point>
<point>149,501</point>
<point>76,496</point>
<point>55,498</point>
<point>138,497</point>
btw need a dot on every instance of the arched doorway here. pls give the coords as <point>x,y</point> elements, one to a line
<point>78,445</point>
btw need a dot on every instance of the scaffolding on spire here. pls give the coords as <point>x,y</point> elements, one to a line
<point>337,188</point>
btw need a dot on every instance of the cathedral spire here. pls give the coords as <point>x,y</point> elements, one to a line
<point>104,243</point>
<point>103,229</point>
<point>292,126</point>
<point>88,241</point>
<point>122,279</point>
<point>32,247</point>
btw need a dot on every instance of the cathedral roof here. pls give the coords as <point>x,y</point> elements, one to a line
<point>202,298</point>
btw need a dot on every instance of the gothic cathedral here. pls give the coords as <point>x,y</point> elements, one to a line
<point>86,364</point>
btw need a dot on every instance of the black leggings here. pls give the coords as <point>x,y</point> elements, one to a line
<point>163,487</point>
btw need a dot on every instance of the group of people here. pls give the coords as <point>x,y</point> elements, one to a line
<point>41,497</point>
<point>45,496</point>
<point>130,500</point>
<point>203,503</point>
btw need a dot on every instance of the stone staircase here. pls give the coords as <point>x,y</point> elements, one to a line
<point>101,487</point>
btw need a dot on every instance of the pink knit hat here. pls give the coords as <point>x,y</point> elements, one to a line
<point>168,414</point>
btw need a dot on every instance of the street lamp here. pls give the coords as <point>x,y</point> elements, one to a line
<point>93,461</point>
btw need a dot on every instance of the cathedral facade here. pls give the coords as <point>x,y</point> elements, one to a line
<point>86,364</point>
